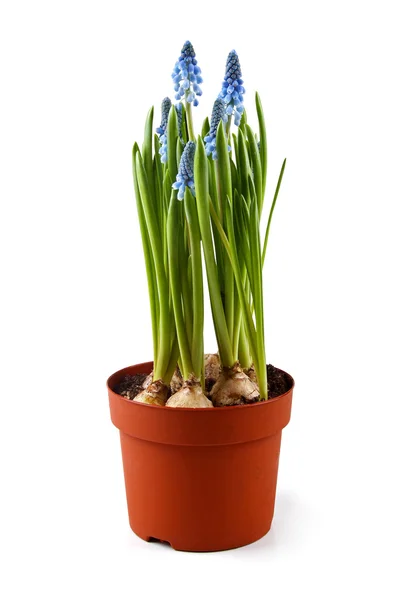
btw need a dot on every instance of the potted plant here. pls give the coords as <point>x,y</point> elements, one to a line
<point>201,434</point>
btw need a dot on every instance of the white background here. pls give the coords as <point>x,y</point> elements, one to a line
<point>77,79</point>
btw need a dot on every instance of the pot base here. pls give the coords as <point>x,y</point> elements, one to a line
<point>182,548</point>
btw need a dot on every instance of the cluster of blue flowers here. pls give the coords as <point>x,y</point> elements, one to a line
<point>187,75</point>
<point>185,177</point>
<point>186,78</point>
<point>217,116</point>
<point>161,130</point>
<point>232,88</point>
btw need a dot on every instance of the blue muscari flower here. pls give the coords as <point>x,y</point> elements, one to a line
<point>166,106</point>
<point>185,171</point>
<point>217,115</point>
<point>187,75</point>
<point>179,121</point>
<point>161,130</point>
<point>232,88</point>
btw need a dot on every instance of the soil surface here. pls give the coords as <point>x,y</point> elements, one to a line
<point>278,383</point>
<point>130,385</point>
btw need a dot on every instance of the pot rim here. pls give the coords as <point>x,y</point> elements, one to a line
<point>144,365</point>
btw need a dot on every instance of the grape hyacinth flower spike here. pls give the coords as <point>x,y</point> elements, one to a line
<point>185,177</point>
<point>217,115</point>
<point>161,130</point>
<point>187,75</point>
<point>179,122</point>
<point>232,88</point>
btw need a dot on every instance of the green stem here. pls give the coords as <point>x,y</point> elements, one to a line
<point>203,209</point>
<point>186,291</point>
<point>238,315</point>
<point>174,356</point>
<point>188,112</point>
<point>197,284</point>
<point>175,246</point>
<point>213,192</point>
<point>228,126</point>
<point>224,178</point>
<point>244,349</point>
<point>227,273</point>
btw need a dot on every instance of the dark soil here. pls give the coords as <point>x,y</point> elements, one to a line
<point>130,385</point>
<point>278,383</point>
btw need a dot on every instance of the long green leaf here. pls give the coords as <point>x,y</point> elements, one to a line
<point>161,364</point>
<point>197,283</point>
<point>205,127</point>
<point>176,274</point>
<point>149,261</point>
<point>243,165</point>
<point>280,178</point>
<point>263,142</point>
<point>203,209</point>
<point>146,152</point>
<point>256,166</point>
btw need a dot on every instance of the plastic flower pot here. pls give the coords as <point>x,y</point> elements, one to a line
<point>199,479</point>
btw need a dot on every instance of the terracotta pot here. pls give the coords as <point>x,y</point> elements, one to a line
<point>199,479</point>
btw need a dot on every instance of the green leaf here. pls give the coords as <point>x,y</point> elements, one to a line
<point>263,142</point>
<point>224,171</point>
<point>180,149</point>
<point>280,178</point>
<point>147,151</point>
<point>256,166</point>
<point>231,250</point>
<point>160,367</point>
<point>236,148</point>
<point>175,225</point>
<point>205,127</point>
<point>203,210</point>
<point>149,261</point>
<point>183,124</point>
<point>235,175</point>
<point>243,122</point>
<point>197,283</point>
<point>244,164</point>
